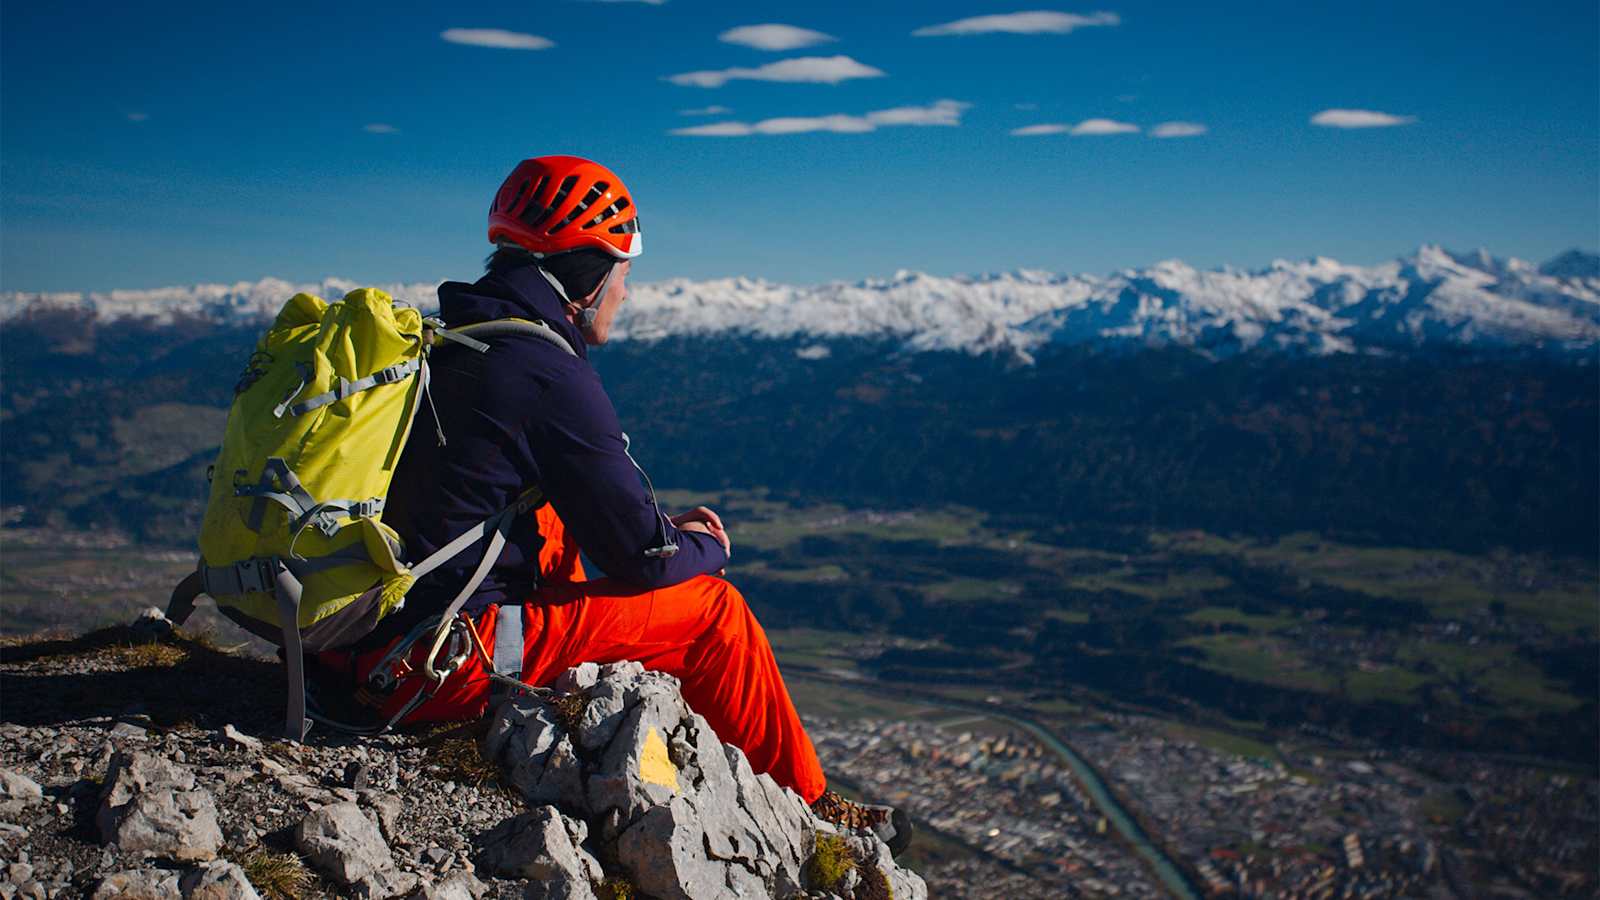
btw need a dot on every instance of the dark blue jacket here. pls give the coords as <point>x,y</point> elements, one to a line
<point>525,413</point>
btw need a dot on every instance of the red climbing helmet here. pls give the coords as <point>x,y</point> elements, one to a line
<point>552,204</point>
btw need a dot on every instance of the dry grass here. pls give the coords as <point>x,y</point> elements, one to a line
<point>874,885</point>
<point>277,876</point>
<point>149,656</point>
<point>207,640</point>
<point>457,758</point>
<point>9,641</point>
<point>569,710</point>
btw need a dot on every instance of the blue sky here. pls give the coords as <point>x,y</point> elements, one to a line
<point>213,142</point>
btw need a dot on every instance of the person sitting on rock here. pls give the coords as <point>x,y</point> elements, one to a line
<point>531,413</point>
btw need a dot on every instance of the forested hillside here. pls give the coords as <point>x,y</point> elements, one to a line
<point>112,426</point>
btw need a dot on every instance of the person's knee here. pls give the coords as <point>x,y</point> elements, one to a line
<point>728,608</point>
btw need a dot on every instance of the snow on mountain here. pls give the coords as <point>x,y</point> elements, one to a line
<point>1318,306</point>
<point>1315,306</point>
<point>244,302</point>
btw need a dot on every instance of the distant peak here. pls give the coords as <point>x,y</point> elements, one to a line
<point>1574,263</point>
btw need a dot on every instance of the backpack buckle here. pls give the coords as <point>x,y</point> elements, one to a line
<point>366,509</point>
<point>327,523</point>
<point>391,374</point>
<point>255,575</point>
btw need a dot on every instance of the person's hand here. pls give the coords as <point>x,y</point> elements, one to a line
<point>703,520</point>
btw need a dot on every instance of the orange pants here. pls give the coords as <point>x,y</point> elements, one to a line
<point>701,632</point>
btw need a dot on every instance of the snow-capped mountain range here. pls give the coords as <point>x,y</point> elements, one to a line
<point>1319,306</point>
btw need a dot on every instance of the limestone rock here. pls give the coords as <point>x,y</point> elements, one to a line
<point>218,881</point>
<point>16,786</point>
<point>544,846</point>
<point>578,678</point>
<point>138,884</point>
<point>388,808</point>
<point>540,760</point>
<point>180,825</point>
<point>680,812</point>
<point>457,886</point>
<point>131,774</point>
<point>873,854</point>
<point>665,856</point>
<point>17,792</point>
<point>149,805</point>
<point>609,701</point>
<point>239,739</point>
<point>636,773</point>
<point>346,845</point>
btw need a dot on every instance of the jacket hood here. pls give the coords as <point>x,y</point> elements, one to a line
<point>511,293</point>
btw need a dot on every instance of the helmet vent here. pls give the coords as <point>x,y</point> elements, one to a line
<point>609,212</point>
<point>555,202</point>
<point>533,198</point>
<point>522,189</point>
<point>596,191</point>
<point>627,227</point>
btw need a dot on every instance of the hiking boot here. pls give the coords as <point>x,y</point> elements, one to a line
<point>891,825</point>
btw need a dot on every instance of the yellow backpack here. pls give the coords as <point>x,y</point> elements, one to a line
<point>293,546</point>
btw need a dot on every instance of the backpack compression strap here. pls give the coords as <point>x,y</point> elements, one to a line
<point>285,589</point>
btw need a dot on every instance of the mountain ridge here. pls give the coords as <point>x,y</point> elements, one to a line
<point>1432,298</point>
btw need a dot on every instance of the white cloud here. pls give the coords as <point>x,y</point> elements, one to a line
<point>942,112</point>
<point>1177,130</point>
<point>1359,118</point>
<point>496,37</point>
<point>774,37</point>
<point>1103,126</point>
<point>839,123</point>
<point>1038,22</point>
<point>138,117</point>
<point>716,129</point>
<point>1035,130</point>
<point>706,111</point>
<point>381,128</point>
<point>809,69</point>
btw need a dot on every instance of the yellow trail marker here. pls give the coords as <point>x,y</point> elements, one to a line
<point>654,764</point>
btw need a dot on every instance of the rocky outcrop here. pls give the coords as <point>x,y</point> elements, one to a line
<point>607,786</point>
<point>631,776</point>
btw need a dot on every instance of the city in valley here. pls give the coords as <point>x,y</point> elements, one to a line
<point>1298,819</point>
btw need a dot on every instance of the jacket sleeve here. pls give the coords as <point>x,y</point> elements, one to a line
<point>576,441</point>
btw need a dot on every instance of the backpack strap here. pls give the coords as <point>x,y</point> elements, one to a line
<point>508,650</point>
<point>469,335</point>
<point>181,605</point>
<point>286,590</point>
<point>498,527</point>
